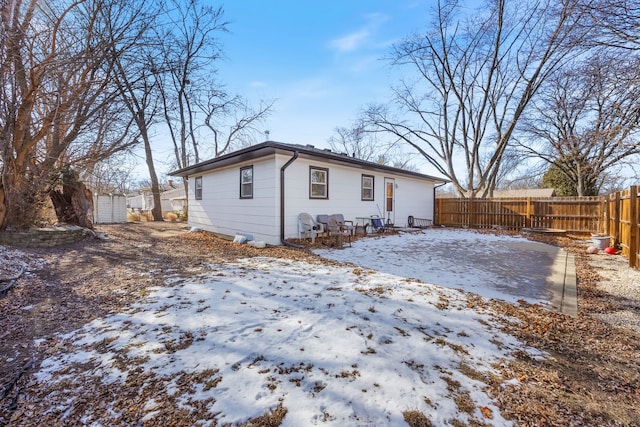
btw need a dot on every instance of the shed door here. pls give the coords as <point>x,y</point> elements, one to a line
<point>389,196</point>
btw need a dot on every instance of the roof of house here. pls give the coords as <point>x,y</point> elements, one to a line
<point>525,192</point>
<point>305,151</point>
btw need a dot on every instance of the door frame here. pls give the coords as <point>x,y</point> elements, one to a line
<point>390,205</point>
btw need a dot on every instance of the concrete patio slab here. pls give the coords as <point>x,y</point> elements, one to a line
<point>561,276</point>
<point>511,268</point>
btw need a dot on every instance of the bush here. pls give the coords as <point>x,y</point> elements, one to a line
<point>133,216</point>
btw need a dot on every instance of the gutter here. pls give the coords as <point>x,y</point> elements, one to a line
<point>434,200</point>
<point>282,169</point>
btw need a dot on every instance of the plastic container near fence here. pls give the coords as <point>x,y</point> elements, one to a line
<point>600,242</point>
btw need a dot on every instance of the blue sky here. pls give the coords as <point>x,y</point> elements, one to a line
<point>321,61</point>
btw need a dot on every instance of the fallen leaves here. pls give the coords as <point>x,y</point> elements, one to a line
<point>588,373</point>
<point>486,412</point>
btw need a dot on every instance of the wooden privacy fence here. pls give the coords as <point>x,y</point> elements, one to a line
<point>616,215</point>
<point>622,222</point>
<point>578,215</point>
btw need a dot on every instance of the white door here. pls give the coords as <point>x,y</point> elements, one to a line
<point>389,199</point>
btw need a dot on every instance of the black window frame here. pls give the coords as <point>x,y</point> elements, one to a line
<point>242,169</point>
<point>197,188</point>
<point>311,183</point>
<point>362,188</point>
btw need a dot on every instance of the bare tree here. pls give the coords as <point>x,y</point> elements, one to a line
<point>587,120</point>
<point>137,83</point>
<point>112,175</point>
<point>190,48</point>
<point>56,107</point>
<point>613,23</point>
<point>476,75</point>
<point>363,143</point>
<point>244,122</point>
<point>357,142</point>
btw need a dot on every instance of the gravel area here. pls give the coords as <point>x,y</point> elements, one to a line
<point>617,279</point>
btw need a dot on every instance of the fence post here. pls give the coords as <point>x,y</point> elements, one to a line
<point>528,219</point>
<point>472,212</point>
<point>606,217</point>
<point>616,223</point>
<point>633,224</point>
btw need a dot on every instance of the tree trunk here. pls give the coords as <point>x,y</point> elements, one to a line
<point>73,202</point>
<point>155,186</point>
<point>3,208</point>
<point>22,197</point>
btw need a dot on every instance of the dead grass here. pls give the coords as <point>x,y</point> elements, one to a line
<point>416,418</point>
<point>272,418</point>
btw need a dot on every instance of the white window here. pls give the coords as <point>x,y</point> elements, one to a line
<point>246,182</point>
<point>318,183</point>
<point>367,187</point>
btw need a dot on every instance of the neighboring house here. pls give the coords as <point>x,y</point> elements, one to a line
<point>507,194</point>
<point>172,199</point>
<point>261,190</point>
<point>143,201</point>
<point>524,192</point>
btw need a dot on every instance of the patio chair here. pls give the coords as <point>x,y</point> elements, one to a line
<point>377,224</point>
<point>338,231</point>
<point>324,220</point>
<point>346,225</point>
<point>307,227</point>
<point>333,229</point>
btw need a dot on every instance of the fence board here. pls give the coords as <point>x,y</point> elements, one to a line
<point>617,215</point>
<point>576,215</point>
<point>623,223</point>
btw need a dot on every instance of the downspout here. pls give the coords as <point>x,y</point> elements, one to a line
<point>434,200</point>
<point>282,169</point>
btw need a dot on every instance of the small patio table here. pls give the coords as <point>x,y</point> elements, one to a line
<point>363,222</point>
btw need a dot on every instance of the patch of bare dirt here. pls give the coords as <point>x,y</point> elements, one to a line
<point>591,375</point>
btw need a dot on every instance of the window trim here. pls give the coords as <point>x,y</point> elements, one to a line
<point>242,169</point>
<point>372,188</point>
<point>197,188</point>
<point>326,183</point>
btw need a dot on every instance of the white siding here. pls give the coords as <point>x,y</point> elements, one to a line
<point>222,211</point>
<point>412,197</point>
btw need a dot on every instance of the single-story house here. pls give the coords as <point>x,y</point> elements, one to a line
<point>260,190</point>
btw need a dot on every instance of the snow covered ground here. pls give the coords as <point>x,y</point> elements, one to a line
<point>493,266</point>
<point>336,345</point>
